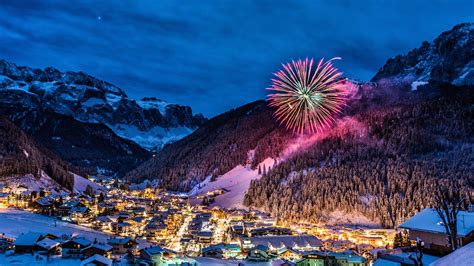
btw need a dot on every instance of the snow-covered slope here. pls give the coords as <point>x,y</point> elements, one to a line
<point>81,184</point>
<point>30,183</point>
<point>150,122</point>
<point>15,222</point>
<point>235,182</point>
<point>449,58</point>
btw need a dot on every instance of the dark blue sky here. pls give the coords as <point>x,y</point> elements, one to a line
<point>215,55</point>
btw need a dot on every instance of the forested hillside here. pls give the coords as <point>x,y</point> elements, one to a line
<point>387,174</point>
<point>20,155</point>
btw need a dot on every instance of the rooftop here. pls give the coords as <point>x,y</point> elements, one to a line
<point>428,220</point>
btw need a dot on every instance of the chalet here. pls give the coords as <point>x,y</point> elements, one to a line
<point>25,243</point>
<point>203,237</point>
<point>4,199</point>
<point>427,226</point>
<point>259,253</point>
<point>263,231</point>
<point>122,245</point>
<point>6,243</point>
<point>156,255</point>
<point>314,258</point>
<point>66,207</point>
<point>213,251</point>
<point>105,208</point>
<point>103,223</point>
<point>80,215</point>
<point>97,260</point>
<point>43,205</point>
<point>222,250</point>
<point>348,259</point>
<point>73,248</point>
<point>48,246</point>
<point>275,243</point>
<point>97,248</point>
<point>288,254</point>
<point>319,258</point>
<point>404,259</point>
<point>122,228</point>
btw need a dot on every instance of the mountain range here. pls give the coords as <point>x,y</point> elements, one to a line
<point>412,125</point>
<point>89,122</point>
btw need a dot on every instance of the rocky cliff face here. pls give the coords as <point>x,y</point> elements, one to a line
<point>449,58</point>
<point>150,122</point>
<point>89,122</point>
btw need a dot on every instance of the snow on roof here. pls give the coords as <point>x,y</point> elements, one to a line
<point>154,250</point>
<point>285,241</point>
<point>97,258</point>
<point>384,262</point>
<point>119,240</point>
<point>460,257</point>
<point>82,241</point>
<point>100,246</point>
<point>27,239</point>
<point>47,243</point>
<point>428,220</point>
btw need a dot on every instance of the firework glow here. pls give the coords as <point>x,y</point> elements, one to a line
<point>307,97</point>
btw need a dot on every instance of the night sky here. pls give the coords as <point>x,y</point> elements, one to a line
<point>215,55</point>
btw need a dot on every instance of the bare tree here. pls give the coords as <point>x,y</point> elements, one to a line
<point>449,200</point>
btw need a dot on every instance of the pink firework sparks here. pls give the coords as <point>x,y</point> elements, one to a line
<point>307,97</point>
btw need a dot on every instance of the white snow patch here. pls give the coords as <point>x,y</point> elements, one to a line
<point>29,183</point>
<point>155,138</point>
<point>92,102</point>
<point>148,103</point>
<point>237,181</point>
<point>14,222</point>
<point>81,183</point>
<point>26,153</point>
<point>338,217</point>
<point>415,84</point>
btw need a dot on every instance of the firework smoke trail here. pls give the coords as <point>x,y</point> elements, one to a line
<point>306,97</point>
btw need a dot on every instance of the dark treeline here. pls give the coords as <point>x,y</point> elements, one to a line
<point>388,175</point>
<point>20,155</point>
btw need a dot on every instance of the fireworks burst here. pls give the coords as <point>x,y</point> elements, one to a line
<point>307,98</point>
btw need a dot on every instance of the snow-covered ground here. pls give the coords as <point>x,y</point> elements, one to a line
<point>355,218</point>
<point>14,222</point>
<point>237,181</point>
<point>81,183</point>
<point>154,138</point>
<point>217,262</point>
<point>28,259</point>
<point>30,183</point>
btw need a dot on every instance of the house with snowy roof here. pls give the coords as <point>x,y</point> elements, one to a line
<point>97,249</point>
<point>97,260</point>
<point>73,248</point>
<point>122,245</point>
<point>428,226</point>
<point>156,255</point>
<point>48,246</point>
<point>25,243</point>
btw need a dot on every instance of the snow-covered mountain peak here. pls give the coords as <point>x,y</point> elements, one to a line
<point>150,122</point>
<point>449,58</point>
